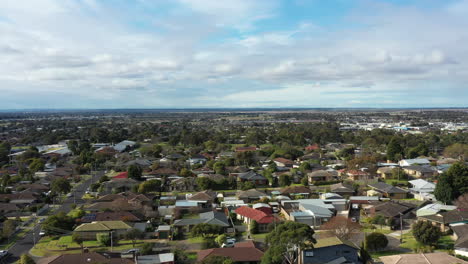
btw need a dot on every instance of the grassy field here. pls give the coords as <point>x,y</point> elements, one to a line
<point>50,246</point>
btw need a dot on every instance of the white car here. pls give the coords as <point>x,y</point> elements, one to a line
<point>41,233</point>
<point>229,243</point>
<point>3,253</point>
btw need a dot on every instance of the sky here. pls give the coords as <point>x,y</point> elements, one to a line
<point>57,54</point>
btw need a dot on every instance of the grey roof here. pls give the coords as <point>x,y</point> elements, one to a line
<point>252,193</point>
<point>213,218</point>
<point>422,169</point>
<point>382,186</point>
<point>251,175</point>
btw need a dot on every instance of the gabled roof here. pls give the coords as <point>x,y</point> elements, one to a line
<point>257,215</point>
<point>214,218</point>
<point>392,209</point>
<point>252,193</point>
<point>387,188</point>
<point>422,169</point>
<point>203,196</point>
<point>251,175</point>
<point>295,190</point>
<point>284,161</point>
<point>340,188</point>
<point>454,216</point>
<point>333,241</point>
<point>422,184</point>
<point>102,226</point>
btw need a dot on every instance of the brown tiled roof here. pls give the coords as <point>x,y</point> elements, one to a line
<point>295,189</point>
<point>203,196</point>
<point>448,217</point>
<point>91,257</point>
<point>284,161</point>
<point>237,254</point>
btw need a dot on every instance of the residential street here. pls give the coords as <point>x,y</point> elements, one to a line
<point>24,245</point>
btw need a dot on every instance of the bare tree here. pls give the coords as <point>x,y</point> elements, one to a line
<point>342,227</point>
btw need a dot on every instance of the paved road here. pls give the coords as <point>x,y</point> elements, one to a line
<point>24,245</point>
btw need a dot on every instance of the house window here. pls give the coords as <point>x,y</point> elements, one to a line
<point>309,253</point>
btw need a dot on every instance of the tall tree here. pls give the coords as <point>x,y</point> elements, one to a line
<point>285,241</point>
<point>134,172</point>
<point>60,185</point>
<point>452,183</point>
<point>394,149</point>
<point>426,233</point>
<point>133,235</point>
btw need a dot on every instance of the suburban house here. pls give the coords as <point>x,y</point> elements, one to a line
<point>245,149</point>
<point>197,159</point>
<point>90,230</point>
<point>409,162</point>
<point>164,258</point>
<point>438,257</point>
<point>386,190</point>
<point>282,162</point>
<point>205,197</point>
<point>312,213</point>
<point>241,253</point>
<point>390,210</point>
<point>87,257</point>
<point>182,184</point>
<point>297,192</point>
<point>444,219</point>
<point>385,172</point>
<point>321,175</point>
<point>124,145</point>
<point>163,232</point>
<point>251,195</point>
<point>331,250</point>
<point>248,214</point>
<point>433,209</point>
<point>418,171</point>
<point>212,217</point>
<point>422,189</point>
<point>253,177</point>
<point>118,184</point>
<point>460,234</point>
<point>358,175</point>
<point>342,189</point>
<point>111,216</point>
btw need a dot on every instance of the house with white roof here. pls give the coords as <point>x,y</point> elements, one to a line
<point>435,208</point>
<point>409,162</point>
<point>422,190</point>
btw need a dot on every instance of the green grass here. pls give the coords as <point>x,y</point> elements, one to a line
<point>49,246</point>
<point>409,242</point>
<point>445,243</point>
<point>195,240</point>
<point>384,230</point>
<point>260,236</point>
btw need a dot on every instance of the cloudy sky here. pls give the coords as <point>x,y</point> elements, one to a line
<point>233,53</point>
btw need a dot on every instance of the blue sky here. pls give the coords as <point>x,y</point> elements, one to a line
<point>233,53</point>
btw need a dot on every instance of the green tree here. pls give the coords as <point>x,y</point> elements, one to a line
<point>204,183</point>
<point>36,165</point>
<point>305,181</point>
<point>247,185</point>
<point>394,149</point>
<point>77,238</point>
<point>60,185</point>
<point>26,259</point>
<point>457,151</point>
<point>452,183</point>
<point>146,249</point>
<point>149,186</point>
<point>253,227</point>
<point>206,230</point>
<point>104,239</point>
<point>284,241</point>
<point>9,227</point>
<point>217,260</point>
<point>133,235</point>
<point>221,239</point>
<point>426,233</point>
<point>284,180</point>
<point>134,172</point>
<point>376,241</point>
<point>58,224</point>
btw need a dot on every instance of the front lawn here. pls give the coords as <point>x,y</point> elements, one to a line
<point>260,236</point>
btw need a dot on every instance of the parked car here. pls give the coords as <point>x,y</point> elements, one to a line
<point>229,243</point>
<point>4,253</point>
<point>131,251</point>
<point>42,233</point>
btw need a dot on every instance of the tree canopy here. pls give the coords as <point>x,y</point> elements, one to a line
<point>283,242</point>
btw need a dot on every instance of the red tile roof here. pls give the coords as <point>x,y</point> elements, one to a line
<point>284,161</point>
<point>257,215</point>
<point>122,175</point>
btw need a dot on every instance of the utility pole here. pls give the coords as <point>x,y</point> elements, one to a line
<point>112,242</point>
<point>401,228</point>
